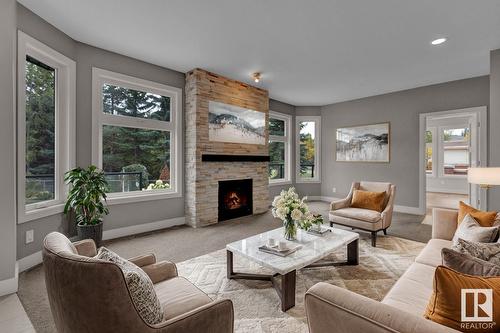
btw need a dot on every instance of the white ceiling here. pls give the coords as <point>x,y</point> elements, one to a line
<point>310,52</point>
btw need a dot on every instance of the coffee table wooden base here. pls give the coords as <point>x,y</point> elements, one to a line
<point>285,284</point>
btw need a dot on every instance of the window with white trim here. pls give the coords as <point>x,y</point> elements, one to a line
<point>45,127</point>
<point>279,148</point>
<point>308,145</point>
<point>137,136</point>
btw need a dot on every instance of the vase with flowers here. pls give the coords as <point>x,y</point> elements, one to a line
<point>292,210</point>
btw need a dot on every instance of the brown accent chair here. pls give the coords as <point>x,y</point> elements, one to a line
<point>373,221</point>
<point>90,295</point>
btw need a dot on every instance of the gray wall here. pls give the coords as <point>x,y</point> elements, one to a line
<point>86,57</point>
<point>7,141</point>
<point>494,147</point>
<point>402,110</point>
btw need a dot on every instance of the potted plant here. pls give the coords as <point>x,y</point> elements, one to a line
<point>87,201</point>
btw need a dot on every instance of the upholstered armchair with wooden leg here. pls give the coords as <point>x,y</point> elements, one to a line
<point>342,212</point>
<point>91,295</point>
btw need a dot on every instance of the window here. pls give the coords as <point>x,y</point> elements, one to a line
<point>279,148</point>
<point>456,151</point>
<point>46,108</point>
<point>430,151</point>
<point>137,139</point>
<point>308,153</point>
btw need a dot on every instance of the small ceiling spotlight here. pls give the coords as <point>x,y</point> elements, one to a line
<point>256,77</point>
<point>438,41</point>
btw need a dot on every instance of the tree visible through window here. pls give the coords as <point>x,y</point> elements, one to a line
<point>428,152</point>
<point>307,149</point>
<point>135,159</point>
<point>276,149</point>
<point>40,131</point>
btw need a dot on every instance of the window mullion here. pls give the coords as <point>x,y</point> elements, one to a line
<point>125,121</point>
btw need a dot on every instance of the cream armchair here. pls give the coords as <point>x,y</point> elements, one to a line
<point>342,213</point>
<point>90,295</point>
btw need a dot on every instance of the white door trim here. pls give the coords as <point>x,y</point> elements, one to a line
<point>482,116</point>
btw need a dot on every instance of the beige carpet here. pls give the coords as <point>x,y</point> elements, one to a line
<point>256,304</point>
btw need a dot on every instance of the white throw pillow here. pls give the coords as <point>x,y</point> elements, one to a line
<point>140,286</point>
<point>471,230</point>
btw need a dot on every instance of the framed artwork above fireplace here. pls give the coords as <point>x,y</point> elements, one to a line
<point>230,123</point>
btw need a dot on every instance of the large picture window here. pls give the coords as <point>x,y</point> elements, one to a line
<point>46,107</point>
<point>137,136</point>
<point>308,133</point>
<point>279,148</point>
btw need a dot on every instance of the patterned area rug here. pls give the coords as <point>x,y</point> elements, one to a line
<point>256,304</point>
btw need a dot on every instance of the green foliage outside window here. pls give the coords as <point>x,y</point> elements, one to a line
<point>128,149</point>
<point>40,131</point>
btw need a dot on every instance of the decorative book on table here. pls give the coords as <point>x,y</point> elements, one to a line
<point>320,232</point>
<point>274,250</point>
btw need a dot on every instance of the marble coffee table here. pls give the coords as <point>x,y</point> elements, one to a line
<point>313,250</point>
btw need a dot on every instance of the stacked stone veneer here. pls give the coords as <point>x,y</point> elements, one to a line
<point>202,188</point>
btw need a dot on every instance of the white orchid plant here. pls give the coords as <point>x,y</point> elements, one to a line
<point>289,207</point>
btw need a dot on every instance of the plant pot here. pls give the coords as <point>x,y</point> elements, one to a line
<point>92,231</point>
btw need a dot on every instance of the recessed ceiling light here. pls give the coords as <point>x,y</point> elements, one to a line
<point>256,77</point>
<point>438,41</point>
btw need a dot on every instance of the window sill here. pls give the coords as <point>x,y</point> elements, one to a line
<point>307,181</point>
<point>39,213</point>
<point>279,182</point>
<point>118,199</point>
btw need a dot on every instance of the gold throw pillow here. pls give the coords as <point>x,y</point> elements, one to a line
<point>445,307</point>
<point>485,219</point>
<point>368,200</point>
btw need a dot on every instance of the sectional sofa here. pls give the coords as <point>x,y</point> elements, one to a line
<point>333,309</point>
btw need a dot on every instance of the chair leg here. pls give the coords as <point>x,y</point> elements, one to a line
<point>385,231</point>
<point>374,238</point>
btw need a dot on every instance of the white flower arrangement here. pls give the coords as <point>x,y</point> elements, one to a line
<point>288,206</point>
<point>158,185</point>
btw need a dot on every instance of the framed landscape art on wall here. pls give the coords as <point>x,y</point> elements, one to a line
<point>230,123</point>
<point>364,143</point>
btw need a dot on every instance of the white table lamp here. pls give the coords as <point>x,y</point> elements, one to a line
<point>484,177</point>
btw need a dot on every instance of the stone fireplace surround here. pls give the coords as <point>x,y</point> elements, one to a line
<point>243,161</point>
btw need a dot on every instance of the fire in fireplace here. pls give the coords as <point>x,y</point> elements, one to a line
<point>235,198</point>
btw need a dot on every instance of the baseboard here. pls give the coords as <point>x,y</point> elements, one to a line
<point>140,228</point>
<point>9,286</point>
<point>36,258</point>
<point>409,210</point>
<point>29,261</point>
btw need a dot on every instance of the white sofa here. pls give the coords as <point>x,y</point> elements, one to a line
<point>332,309</point>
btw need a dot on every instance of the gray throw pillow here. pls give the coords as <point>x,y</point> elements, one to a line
<point>139,285</point>
<point>471,230</point>
<point>485,251</point>
<point>468,264</point>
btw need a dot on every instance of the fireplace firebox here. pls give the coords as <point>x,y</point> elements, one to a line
<point>235,198</point>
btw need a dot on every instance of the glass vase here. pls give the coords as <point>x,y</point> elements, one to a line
<point>290,228</point>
